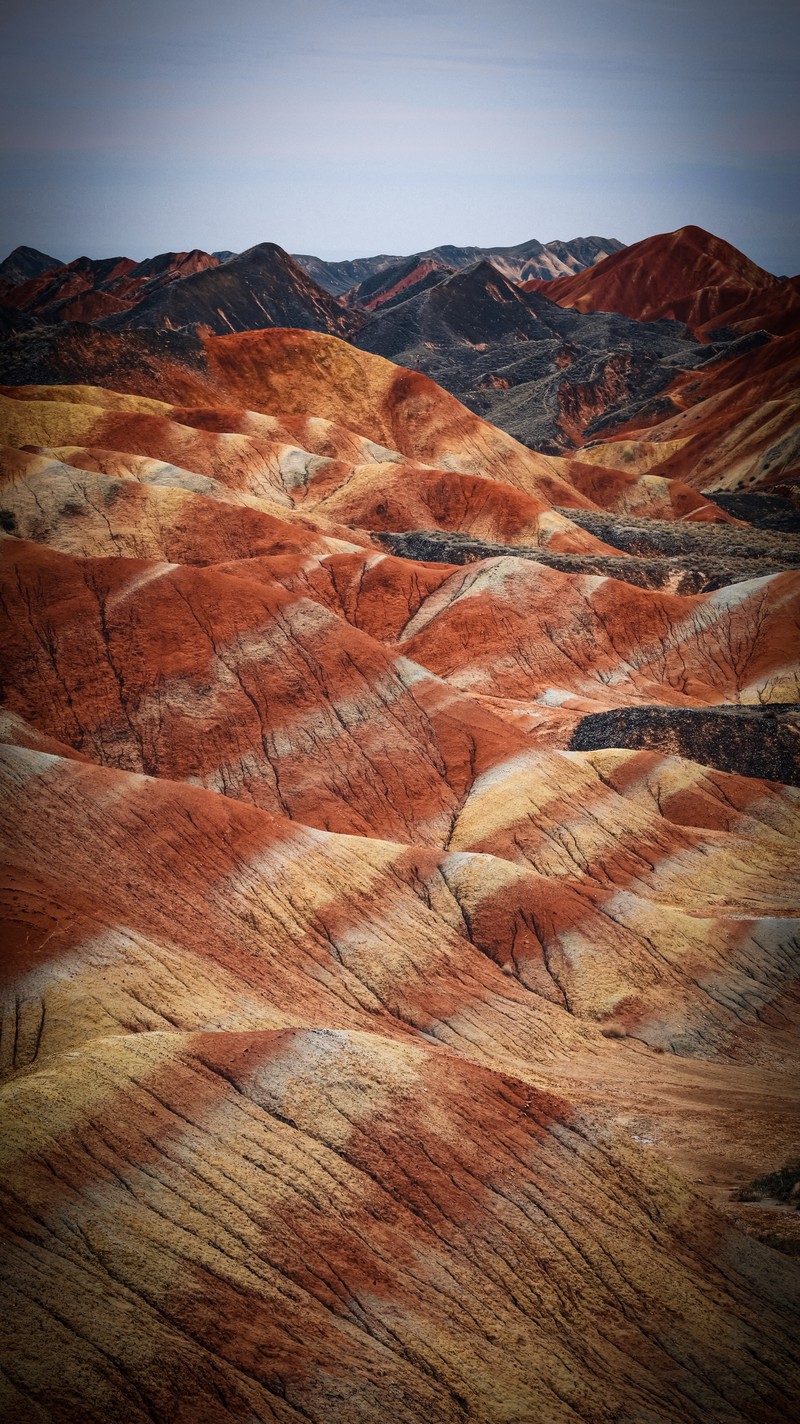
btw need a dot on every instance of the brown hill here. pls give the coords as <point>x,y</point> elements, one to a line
<point>49,295</point>
<point>735,425</point>
<point>689,275</point>
<point>87,290</point>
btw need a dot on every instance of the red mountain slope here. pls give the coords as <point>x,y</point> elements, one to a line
<point>774,309</point>
<point>688,275</point>
<point>734,425</point>
<point>294,375</point>
<point>86,290</point>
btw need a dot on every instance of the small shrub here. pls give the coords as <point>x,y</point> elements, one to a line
<point>783,1186</point>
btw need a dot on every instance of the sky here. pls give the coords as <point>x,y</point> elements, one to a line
<point>350,127</point>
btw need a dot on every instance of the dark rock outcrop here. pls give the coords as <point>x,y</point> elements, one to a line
<point>668,537</point>
<point>22,264</point>
<point>543,373</point>
<point>751,741</point>
<point>681,573</point>
<point>765,511</point>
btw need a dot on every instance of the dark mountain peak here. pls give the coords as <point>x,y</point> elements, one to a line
<point>531,248</point>
<point>401,270</point>
<point>452,255</point>
<point>692,233</point>
<point>590,244</point>
<point>262,252</point>
<point>270,258</point>
<point>483,270</point>
<point>484,278</point>
<point>473,307</point>
<point>23,263</point>
<point>260,287</point>
<point>340,277</point>
<point>100,268</point>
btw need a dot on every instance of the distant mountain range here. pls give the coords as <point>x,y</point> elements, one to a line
<point>253,289</point>
<point>89,289</point>
<point>542,260</point>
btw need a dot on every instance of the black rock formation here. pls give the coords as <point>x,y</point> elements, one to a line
<point>751,741</point>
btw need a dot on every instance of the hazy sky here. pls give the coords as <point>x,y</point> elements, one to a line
<point>349,127</point>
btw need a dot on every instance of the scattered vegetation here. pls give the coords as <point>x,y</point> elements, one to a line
<point>782,1186</point>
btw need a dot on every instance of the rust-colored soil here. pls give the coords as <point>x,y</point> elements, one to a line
<point>367,1053</point>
